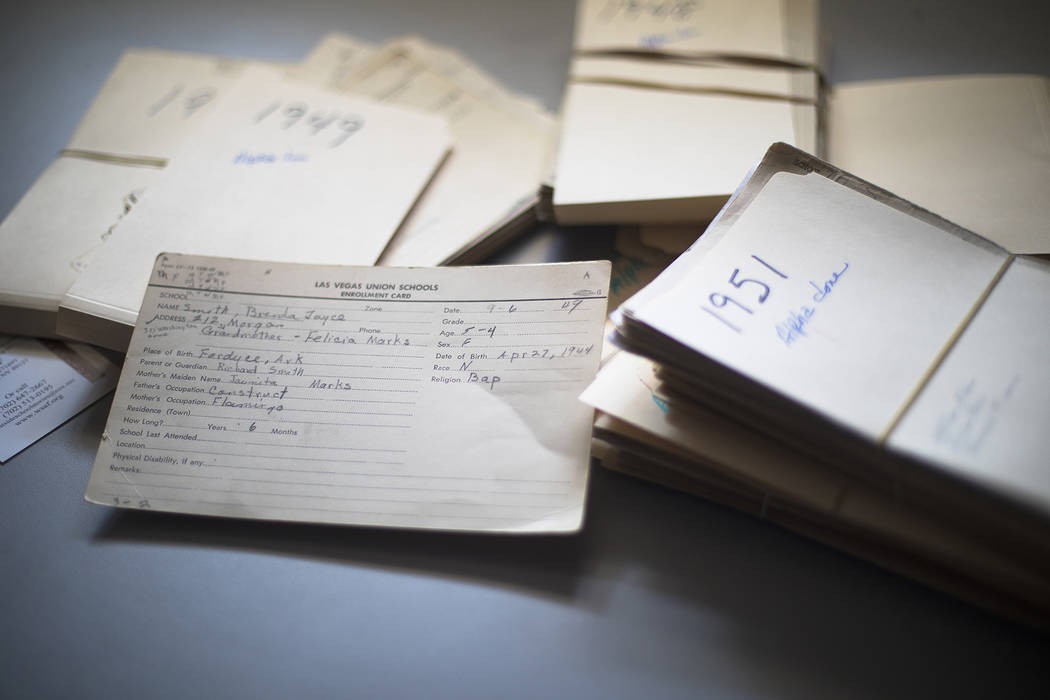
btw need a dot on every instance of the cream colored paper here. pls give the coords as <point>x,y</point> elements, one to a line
<point>667,107</point>
<point>68,212</point>
<point>974,149</point>
<point>715,77</point>
<point>462,70</point>
<point>782,31</point>
<point>338,56</point>
<point>334,58</point>
<point>492,175</point>
<point>744,28</point>
<point>424,398</point>
<point>44,384</point>
<point>280,171</point>
<point>640,155</point>
<point>682,434</point>
<point>799,86</point>
<point>815,280</point>
<point>982,414</point>
<point>628,389</point>
<point>150,101</point>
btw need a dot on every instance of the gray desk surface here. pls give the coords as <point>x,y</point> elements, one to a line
<point>661,596</point>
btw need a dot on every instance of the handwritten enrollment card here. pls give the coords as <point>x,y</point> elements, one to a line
<point>440,398</point>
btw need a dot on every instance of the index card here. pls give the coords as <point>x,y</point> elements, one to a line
<point>709,76</point>
<point>695,444</point>
<point>759,29</point>
<point>45,383</point>
<point>474,78</point>
<point>281,171</point>
<point>973,149</point>
<point>401,397</point>
<point>815,280</point>
<point>975,415</point>
<point>752,27</point>
<point>669,104</point>
<point>150,101</point>
<point>618,164</point>
<point>334,58</point>
<point>68,212</point>
<point>492,175</point>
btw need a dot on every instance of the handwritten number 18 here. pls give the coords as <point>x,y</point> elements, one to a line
<point>193,101</point>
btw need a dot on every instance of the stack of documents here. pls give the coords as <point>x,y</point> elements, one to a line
<point>402,154</point>
<point>669,104</point>
<point>150,102</point>
<point>487,190</point>
<point>974,149</point>
<point>842,361</point>
<point>831,355</point>
<point>280,171</point>
<point>423,160</point>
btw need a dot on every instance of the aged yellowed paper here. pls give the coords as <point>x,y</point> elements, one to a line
<point>403,397</point>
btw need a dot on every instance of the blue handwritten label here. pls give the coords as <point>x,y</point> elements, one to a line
<point>794,327</point>
<point>823,291</point>
<point>973,415</point>
<point>246,158</point>
<point>655,41</point>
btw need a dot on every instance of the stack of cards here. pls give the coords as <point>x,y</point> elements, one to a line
<point>423,159</point>
<point>842,361</point>
<point>670,103</point>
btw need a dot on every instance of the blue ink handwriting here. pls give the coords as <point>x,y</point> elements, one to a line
<point>972,416</point>
<point>655,41</point>
<point>245,158</point>
<point>824,291</point>
<point>795,326</point>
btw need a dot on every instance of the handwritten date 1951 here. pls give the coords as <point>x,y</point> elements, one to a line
<point>753,287</point>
